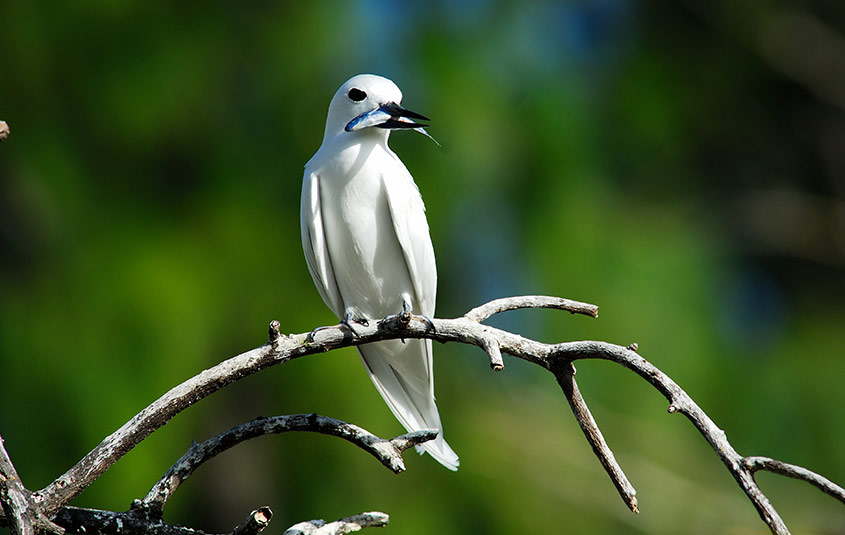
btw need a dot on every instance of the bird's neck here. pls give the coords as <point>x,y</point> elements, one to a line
<point>367,136</point>
<point>343,152</point>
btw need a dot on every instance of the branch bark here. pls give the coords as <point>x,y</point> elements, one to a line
<point>566,379</point>
<point>557,358</point>
<point>138,521</point>
<point>16,504</point>
<point>145,516</point>
<point>14,498</point>
<point>339,527</point>
<point>255,522</point>
<point>496,306</point>
<point>754,464</point>
<point>389,452</point>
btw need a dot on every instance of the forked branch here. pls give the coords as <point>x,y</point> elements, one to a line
<point>146,516</point>
<point>557,358</point>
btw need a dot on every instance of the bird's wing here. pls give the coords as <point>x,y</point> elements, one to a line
<point>408,214</point>
<point>314,243</point>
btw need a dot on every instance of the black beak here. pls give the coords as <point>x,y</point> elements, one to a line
<point>391,116</point>
<point>398,113</point>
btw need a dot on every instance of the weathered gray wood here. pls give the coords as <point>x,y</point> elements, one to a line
<point>349,524</point>
<point>389,452</point>
<point>557,358</point>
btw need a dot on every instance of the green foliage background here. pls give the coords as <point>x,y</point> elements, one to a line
<point>681,164</point>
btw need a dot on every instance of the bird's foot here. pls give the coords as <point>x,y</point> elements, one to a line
<point>350,318</point>
<point>310,338</point>
<point>347,322</point>
<point>428,322</point>
<point>404,317</point>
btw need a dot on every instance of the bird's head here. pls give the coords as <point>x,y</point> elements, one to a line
<point>368,101</point>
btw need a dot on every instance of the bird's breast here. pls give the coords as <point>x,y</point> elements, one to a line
<point>369,263</point>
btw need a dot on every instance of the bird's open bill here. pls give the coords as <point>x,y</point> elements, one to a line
<point>390,115</point>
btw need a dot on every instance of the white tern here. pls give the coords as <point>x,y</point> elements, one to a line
<point>367,244</point>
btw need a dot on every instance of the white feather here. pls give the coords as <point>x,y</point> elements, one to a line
<point>367,245</point>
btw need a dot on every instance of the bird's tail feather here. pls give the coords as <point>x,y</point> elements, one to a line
<point>401,371</point>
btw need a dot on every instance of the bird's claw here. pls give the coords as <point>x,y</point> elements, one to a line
<point>348,325</point>
<point>347,322</point>
<point>349,319</point>
<point>403,317</point>
<point>310,338</point>
<point>428,322</point>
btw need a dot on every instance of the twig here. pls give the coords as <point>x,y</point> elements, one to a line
<point>679,402</point>
<point>255,522</point>
<point>389,452</point>
<point>504,304</point>
<point>565,374</point>
<point>349,524</point>
<point>494,352</point>
<point>753,464</point>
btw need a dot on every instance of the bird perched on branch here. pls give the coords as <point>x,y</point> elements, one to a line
<point>367,243</point>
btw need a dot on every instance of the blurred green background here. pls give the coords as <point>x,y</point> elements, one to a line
<point>681,164</point>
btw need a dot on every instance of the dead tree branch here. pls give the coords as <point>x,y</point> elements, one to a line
<point>16,504</point>
<point>139,521</point>
<point>255,522</point>
<point>389,452</point>
<point>566,378</point>
<point>13,496</point>
<point>349,524</point>
<point>754,464</point>
<point>557,358</point>
<point>145,515</point>
<point>496,306</point>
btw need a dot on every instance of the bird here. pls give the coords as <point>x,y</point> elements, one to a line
<point>367,244</point>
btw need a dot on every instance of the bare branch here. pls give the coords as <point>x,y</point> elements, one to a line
<point>255,522</point>
<point>349,524</point>
<point>83,520</point>
<point>753,464</point>
<point>566,378</point>
<point>491,347</point>
<point>19,513</point>
<point>279,350</point>
<point>113,447</point>
<point>139,521</point>
<point>389,452</point>
<point>496,306</point>
<point>145,516</point>
<point>466,329</point>
<point>14,498</point>
<point>679,402</point>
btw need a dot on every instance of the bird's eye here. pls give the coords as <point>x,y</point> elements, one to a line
<point>357,95</point>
